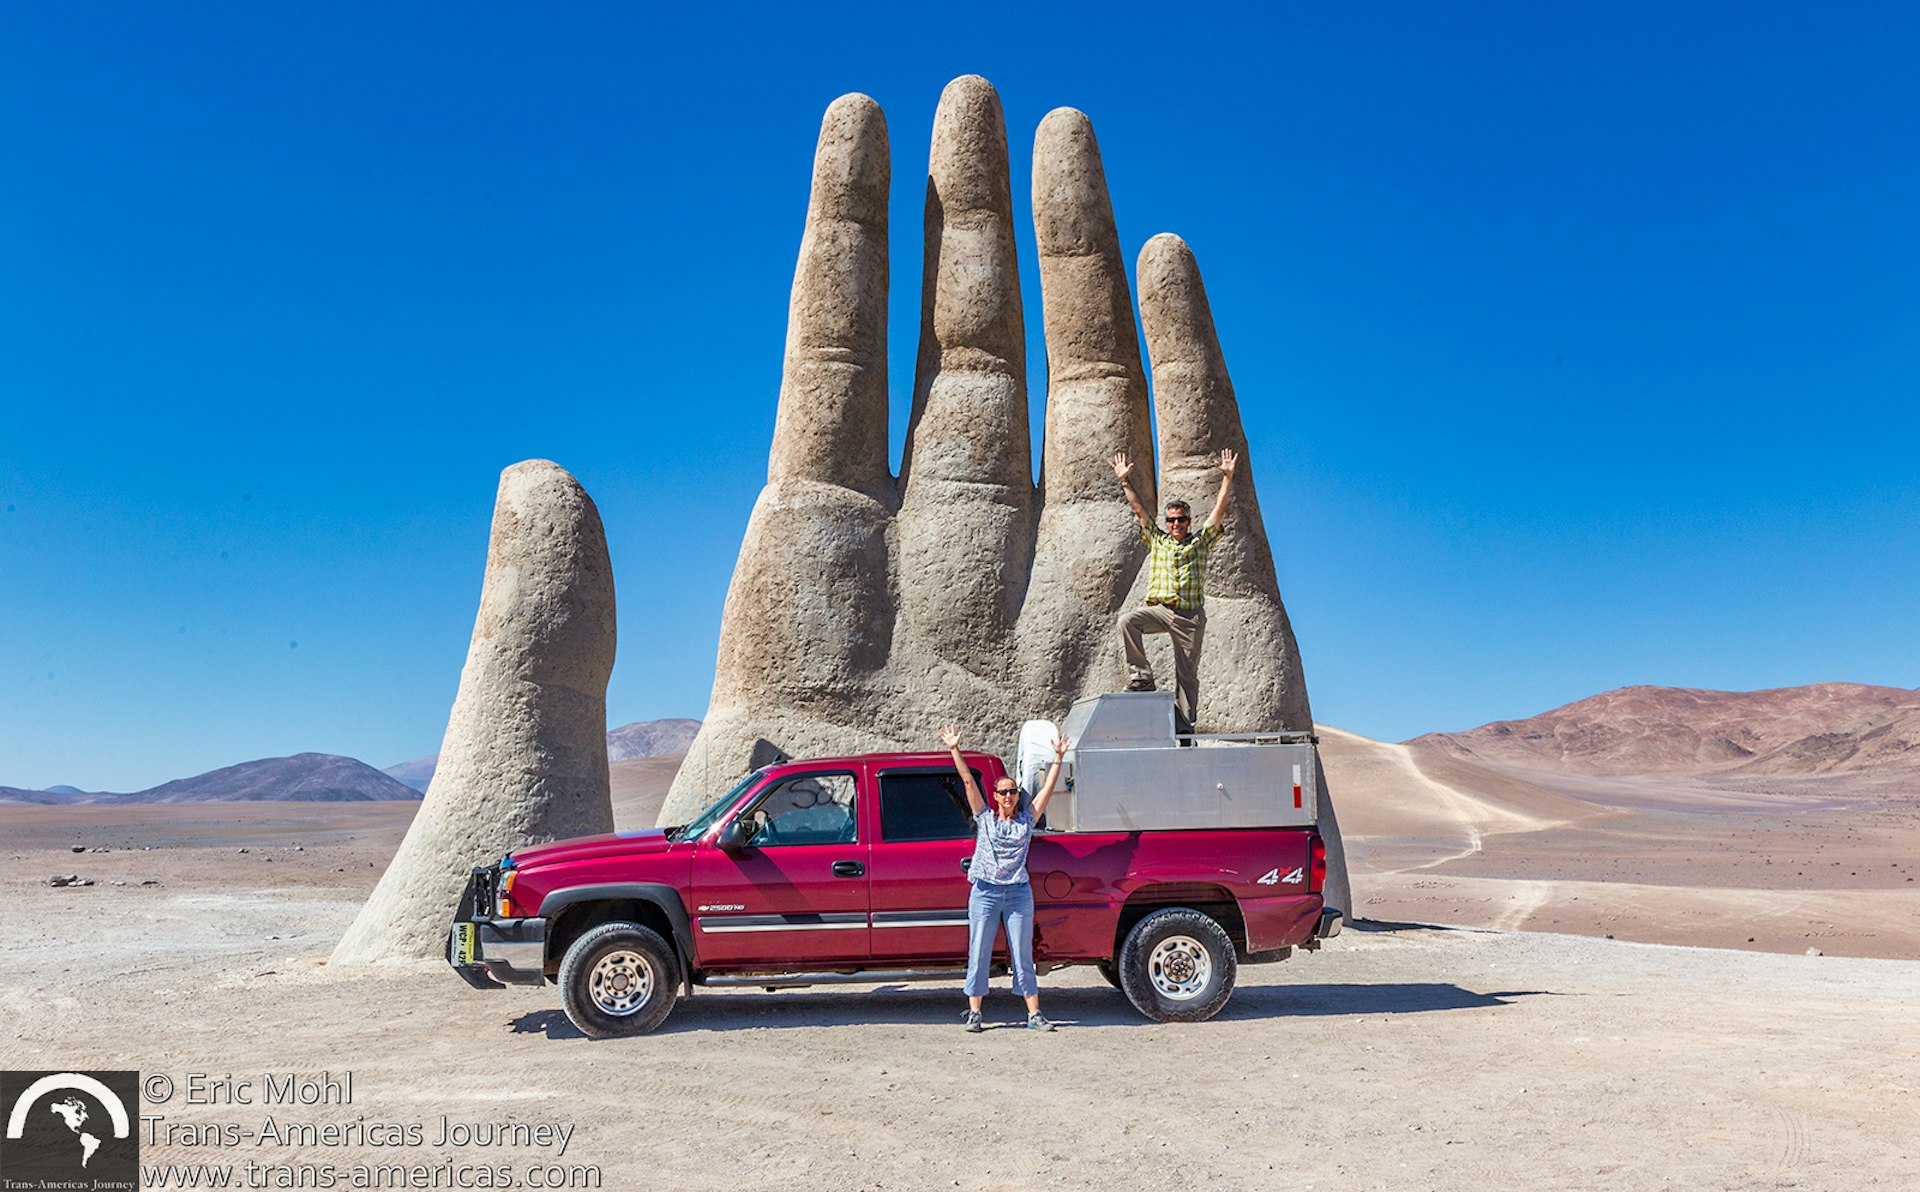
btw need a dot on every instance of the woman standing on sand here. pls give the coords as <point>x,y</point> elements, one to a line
<point>998,874</point>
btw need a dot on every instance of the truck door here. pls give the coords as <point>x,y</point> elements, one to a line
<point>796,896</point>
<point>919,890</point>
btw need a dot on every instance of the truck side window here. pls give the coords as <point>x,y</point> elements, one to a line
<point>805,809</point>
<point>924,805</point>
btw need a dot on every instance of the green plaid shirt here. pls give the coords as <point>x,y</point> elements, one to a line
<point>1178,570</point>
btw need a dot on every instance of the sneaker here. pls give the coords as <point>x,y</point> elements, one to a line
<point>1141,685</point>
<point>1037,1021</point>
<point>971,1020</point>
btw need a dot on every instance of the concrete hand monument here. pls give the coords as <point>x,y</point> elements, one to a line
<point>525,754</point>
<point>867,609</point>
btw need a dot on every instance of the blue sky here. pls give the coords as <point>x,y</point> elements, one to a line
<point>1577,344</point>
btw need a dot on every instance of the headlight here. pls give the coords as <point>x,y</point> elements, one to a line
<point>506,888</point>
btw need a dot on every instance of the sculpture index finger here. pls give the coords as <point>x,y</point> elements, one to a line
<point>832,421</point>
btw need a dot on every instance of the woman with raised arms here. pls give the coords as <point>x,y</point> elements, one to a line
<point>998,874</point>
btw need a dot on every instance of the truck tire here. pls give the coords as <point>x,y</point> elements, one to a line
<point>1110,973</point>
<point>1178,965</point>
<point>619,979</point>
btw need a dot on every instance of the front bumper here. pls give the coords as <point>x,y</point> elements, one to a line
<point>492,952</point>
<point>488,953</point>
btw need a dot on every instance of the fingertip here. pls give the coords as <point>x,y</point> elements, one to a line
<point>534,470</point>
<point>969,101</point>
<point>969,88</point>
<point>1072,209</point>
<point>1164,257</point>
<point>851,163</point>
<point>1063,128</point>
<point>1173,302</point>
<point>968,163</point>
<point>542,483</point>
<point>853,102</point>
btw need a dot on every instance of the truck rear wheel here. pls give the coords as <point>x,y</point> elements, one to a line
<point>618,979</point>
<point>1178,965</point>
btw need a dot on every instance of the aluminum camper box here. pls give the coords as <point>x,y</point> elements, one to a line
<point>1127,771</point>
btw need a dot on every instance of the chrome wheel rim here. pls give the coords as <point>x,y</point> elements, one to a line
<point>621,982</point>
<point>1179,968</point>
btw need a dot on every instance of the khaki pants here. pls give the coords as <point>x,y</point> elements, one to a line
<point>1186,630</point>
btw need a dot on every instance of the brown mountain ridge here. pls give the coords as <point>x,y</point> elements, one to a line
<point>1821,728</point>
<point>302,778</point>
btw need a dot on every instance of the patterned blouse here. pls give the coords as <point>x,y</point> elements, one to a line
<point>1000,849</point>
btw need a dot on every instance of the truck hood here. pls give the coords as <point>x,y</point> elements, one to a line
<point>580,848</point>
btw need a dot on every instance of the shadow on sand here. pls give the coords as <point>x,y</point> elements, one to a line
<point>1070,1007</point>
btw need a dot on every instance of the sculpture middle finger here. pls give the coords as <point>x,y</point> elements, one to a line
<point>966,517</point>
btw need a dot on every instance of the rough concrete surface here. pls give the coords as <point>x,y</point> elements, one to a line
<point>525,753</point>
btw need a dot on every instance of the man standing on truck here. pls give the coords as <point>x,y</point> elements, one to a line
<point>1176,589</point>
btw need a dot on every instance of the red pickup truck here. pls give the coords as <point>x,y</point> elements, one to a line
<point>853,869</point>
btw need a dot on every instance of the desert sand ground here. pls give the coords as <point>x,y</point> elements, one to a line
<point>1400,1056</point>
<point>1799,865</point>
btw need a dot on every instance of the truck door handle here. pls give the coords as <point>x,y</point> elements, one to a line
<point>848,869</point>
<point>966,863</point>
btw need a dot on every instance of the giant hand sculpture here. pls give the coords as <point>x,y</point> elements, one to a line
<point>866,610</point>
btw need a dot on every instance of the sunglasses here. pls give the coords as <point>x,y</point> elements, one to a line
<point>1171,519</point>
<point>1006,790</point>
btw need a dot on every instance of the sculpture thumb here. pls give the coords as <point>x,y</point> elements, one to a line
<point>525,754</point>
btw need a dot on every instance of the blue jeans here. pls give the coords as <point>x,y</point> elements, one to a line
<point>987,907</point>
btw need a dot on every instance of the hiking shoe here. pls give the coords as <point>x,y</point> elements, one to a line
<point>1037,1021</point>
<point>971,1020</point>
<point>1141,685</point>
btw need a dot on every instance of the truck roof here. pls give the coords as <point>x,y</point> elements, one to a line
<point>882,760</point>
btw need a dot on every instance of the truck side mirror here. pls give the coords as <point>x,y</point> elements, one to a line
<point>732,837</point>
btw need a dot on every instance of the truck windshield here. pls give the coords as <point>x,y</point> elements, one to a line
<point>704,820</point>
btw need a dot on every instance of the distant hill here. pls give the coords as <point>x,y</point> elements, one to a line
<point>645,738</point>
<point>1817,729</point>
<point>650,738</point>
<point>416,773</point>
<point>304,777</point>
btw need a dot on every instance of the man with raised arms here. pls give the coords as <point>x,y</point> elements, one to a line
<point>1176,589</point>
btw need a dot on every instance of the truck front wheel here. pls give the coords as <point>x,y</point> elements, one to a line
<point>1177,965</point>
<point>618,979</point>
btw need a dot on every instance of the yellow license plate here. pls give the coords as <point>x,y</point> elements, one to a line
<point>465,943</point>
